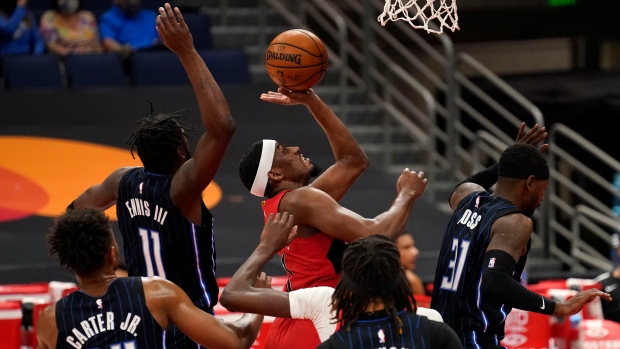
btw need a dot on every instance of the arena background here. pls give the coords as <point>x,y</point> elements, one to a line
<point>561,54</point>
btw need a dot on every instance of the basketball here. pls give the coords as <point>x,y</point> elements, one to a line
<point>296,59</point>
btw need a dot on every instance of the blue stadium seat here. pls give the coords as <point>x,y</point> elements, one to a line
<point>37,7</point>
<point>104,69</point>
<point>155,4</point>
<point>164,67</point>
<point>97,7</point>
<point>157,68</point>
<point>200,27</point>
<point>26,71</point>
<point>100,6</point>
<point>227,65</point>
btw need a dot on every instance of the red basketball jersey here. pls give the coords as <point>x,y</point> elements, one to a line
<point>309,262</point>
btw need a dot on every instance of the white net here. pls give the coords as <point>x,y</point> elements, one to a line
<point>420,15</point>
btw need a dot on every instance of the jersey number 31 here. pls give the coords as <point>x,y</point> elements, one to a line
<point>450,282</point>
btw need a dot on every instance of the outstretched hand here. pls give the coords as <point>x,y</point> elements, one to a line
<point>287,97</point>
<point>172,30</point>
<point>534,136</point>
<point>574,305</point>
<point>279,231</point>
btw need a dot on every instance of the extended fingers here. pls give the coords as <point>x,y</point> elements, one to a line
<point>170,13</point>
<point>534,136</point>
<point>180,18</point>
<point>167,15</point>
<point>163,18</point>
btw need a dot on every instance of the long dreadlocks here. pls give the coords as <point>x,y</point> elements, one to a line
<point>157,139</point>
<point>371,269</point>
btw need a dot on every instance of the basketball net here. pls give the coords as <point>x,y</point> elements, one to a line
<point>426,12</point>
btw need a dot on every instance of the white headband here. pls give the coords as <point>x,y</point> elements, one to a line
<point>264,166</point>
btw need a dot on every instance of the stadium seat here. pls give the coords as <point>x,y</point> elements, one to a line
<point>200,27</point>
<point>227,65</point>
<point>164,67</point>
<point>154,4</point>
<point>157,68</point>
<point>95,70</point>
<point>37,7</point>
<point>25,71</point>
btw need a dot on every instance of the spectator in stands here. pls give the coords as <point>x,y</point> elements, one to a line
<point>19,33</point>
<point>611,282</point>
<point>69,29</point>
<point>126,28</point>
<point>408,257</point>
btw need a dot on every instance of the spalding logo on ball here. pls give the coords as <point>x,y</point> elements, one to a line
<point>296,59</point>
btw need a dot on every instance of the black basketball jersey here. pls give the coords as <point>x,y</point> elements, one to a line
<point>456,291</point>
<point>117,320</point>
<point>159,241</point>
<point>378,331</point>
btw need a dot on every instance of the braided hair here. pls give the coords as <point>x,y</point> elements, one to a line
<point>371,269</point>
<point>157,139</point>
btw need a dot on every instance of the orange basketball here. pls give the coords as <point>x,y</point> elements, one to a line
<point>296,59</point>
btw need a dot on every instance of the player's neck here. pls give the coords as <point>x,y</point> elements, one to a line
<point>508,195</point>
<point>96,284</point>
<point>375,305</point>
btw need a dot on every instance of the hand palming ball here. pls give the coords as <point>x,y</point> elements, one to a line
<point>296,59</point>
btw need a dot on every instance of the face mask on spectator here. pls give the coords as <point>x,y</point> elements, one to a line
<point>69,6</point>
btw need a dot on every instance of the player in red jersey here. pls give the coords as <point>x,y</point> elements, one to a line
<point>283,174</point>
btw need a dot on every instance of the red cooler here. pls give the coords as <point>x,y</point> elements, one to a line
<point>599,334</point>
<point>10,324</point>
<point>527,330</point>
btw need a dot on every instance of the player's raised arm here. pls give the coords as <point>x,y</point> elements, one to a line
<point>314,208</point>
<point>197,172</point>
<point>485,179</point>
<point>351,161</point>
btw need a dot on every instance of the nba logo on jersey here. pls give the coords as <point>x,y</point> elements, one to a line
<point>492,262</point>
<point>99,303</point>
<point>381,336</point>
<point>142,185</point>
<point>477,201</point>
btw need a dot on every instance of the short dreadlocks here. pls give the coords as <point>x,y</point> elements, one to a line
<point>371,268</point>
<point>157,140</point>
